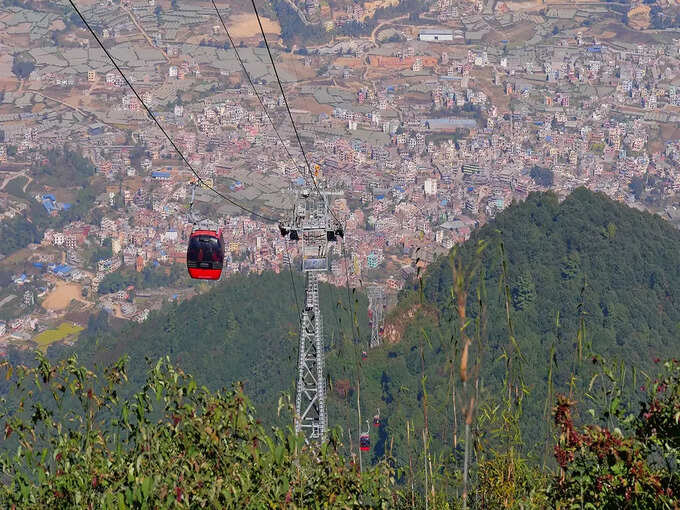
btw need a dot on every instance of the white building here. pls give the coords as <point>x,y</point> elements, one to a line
<point>430,186</point>
<point>436,35</point>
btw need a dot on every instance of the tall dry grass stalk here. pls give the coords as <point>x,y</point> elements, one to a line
<point>462,278</point>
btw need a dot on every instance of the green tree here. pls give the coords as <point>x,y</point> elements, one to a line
<point>22,67</point>
<point>523,292</point>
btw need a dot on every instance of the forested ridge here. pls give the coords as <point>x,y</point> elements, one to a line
<point>244,329</point>
<point>535,351</point>
<point>585,276</point>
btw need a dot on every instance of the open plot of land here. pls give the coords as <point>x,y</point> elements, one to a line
<point>245,25</point>
<point>62,295</point>
<point>50,336</point>
<point>622,33</point>
<point>518,34</point>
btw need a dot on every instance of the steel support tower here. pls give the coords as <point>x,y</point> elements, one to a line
<point>311,224</point>
<point>376,318</point>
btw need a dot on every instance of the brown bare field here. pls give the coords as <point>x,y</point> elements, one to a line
<point>57,25</point>
<point>535,5</point>
<point>245,25</point>
<point>670,132</point>
<point>622,33</point>
<point>518,33</point>
<point>309,104</point>
<point>293,65</point>
<point>61,296</point>
<point>371,7</point>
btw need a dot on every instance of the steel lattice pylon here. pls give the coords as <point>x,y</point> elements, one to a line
<point>311,223</point>
<point>376,306</point>
<point>310,398</point>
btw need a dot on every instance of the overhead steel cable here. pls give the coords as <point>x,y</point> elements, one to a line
<point>292,121</point>
<point>252,85</point>
<point>351,310</point>
<point>153,117</point>
<point>276,73</point>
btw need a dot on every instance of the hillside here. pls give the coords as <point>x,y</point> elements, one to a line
<point>585,259</point>
<point>246,328</point>
<point>608,271</point>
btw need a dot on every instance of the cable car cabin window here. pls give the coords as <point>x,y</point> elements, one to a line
<point>205,256</point>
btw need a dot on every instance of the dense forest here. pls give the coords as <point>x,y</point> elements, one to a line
<point>242,330</point>
<point>151,277</point>
<point>510,365</point>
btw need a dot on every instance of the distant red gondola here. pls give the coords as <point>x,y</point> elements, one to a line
<point>364,442</point>
<point>205,255</point>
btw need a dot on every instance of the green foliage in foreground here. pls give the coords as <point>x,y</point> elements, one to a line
<point>603,468</point>
<point>74,443</point>
<point>173,445</point>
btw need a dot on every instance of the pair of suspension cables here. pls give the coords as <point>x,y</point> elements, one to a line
<point>290,156</point>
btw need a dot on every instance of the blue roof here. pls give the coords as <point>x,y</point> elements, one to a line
<point>66,206</point>
<point>37,264</point>
<point>159,173</point>
<point>50,196</point>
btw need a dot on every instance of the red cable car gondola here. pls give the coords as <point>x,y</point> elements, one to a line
<point>205,254</point>
<point>364,442</point>
<point>376,419</point>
